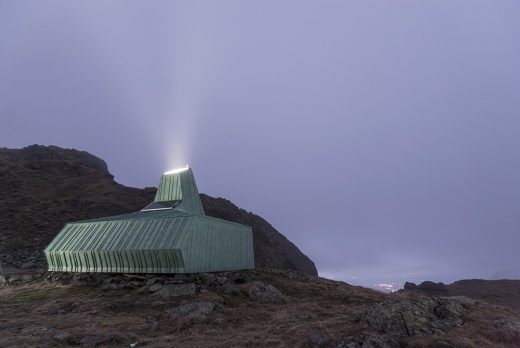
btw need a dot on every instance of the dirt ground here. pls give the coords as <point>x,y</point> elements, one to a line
<point>48,314</point>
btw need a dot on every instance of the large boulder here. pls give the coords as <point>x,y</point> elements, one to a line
<point>193,312</point>
<point>265,293</point>
<point>416,317</point>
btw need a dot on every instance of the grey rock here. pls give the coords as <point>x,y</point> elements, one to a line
<point>152,324</point>
<point>220,280</point>
<point>175,290</point>
<point>373,341</point>
<point>26,278</point>
<point>151,281</point>
<point>265,293</point>
<point>230,289</point>
<point>410,286</point>
<point>20,279</point>
<point>451,311</point>
<point>132,284</point>
<point>380,341</point>
<point>433,288</point>
<point>415,317</point>
<point>193,312</point>
<point>96,340</point>
<point>93,311</point>
<point>155,287</point>
<point>113,286</point>
<point>319,337</point>
<point>350,342</point>
<point>509,329</point>
<point>2,280</point>
<point>61,335</point>
<point>82,280</point>
<point>207,279</point>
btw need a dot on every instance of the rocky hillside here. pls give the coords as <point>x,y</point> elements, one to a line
<point>43,187</point>
<point>500,292</point>
<point>238,309</point>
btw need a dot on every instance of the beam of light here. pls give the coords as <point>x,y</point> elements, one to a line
<point>178,170</point>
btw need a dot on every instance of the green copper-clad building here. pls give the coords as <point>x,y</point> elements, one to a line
<point>170,235</point>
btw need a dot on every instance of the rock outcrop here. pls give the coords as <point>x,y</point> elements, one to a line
<point>198,310</point>
<point>44,187</point>
<point>500,292</point>
<point>416,317</point>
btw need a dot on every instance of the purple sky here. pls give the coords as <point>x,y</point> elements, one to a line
<point>382,137</point>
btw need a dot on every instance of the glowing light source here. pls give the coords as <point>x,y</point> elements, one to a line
<point>178,170</point>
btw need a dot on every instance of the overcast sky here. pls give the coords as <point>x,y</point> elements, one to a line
<point>382,137</point>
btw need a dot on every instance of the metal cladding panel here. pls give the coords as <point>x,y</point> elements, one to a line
<point>214,245</point>
<point>180,186</point>
<point>117,261</point>
<point>120,235</point>
<point>140,246</point>
<point>169,188</point>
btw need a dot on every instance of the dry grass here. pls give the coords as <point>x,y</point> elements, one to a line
<point>36,314</point>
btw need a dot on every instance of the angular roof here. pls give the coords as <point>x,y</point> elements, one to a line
<point>180,186</point>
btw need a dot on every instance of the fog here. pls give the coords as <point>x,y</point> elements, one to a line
<point>381,137</point>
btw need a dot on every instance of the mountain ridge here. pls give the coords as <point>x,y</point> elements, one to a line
<point>44,187</point>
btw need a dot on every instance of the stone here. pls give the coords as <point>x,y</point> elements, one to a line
<point>152,324</point>
<point>350,342</point>
<point>26,278</point>
<point>508,329</point>
<point>82,280</point>
<point>432,288</point>
<point>155,287</point>
<point>220,280</point>
<point>61,335</point>
<point>452,311</point>
<point>319,337</point>
<point>230,289</point>
<point>380,341</point>
<point>193,312</point>
<point>96,340</point>
<point>2,280</point>
<point>415,317</point>
<point>373,341</point>
<point>265,293</point>
<point>410,286</point>
<point>151,281</point>
<point>132,284</point>
<point>113,286</point>
<point>175,290</point>
<point>207,279</point>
